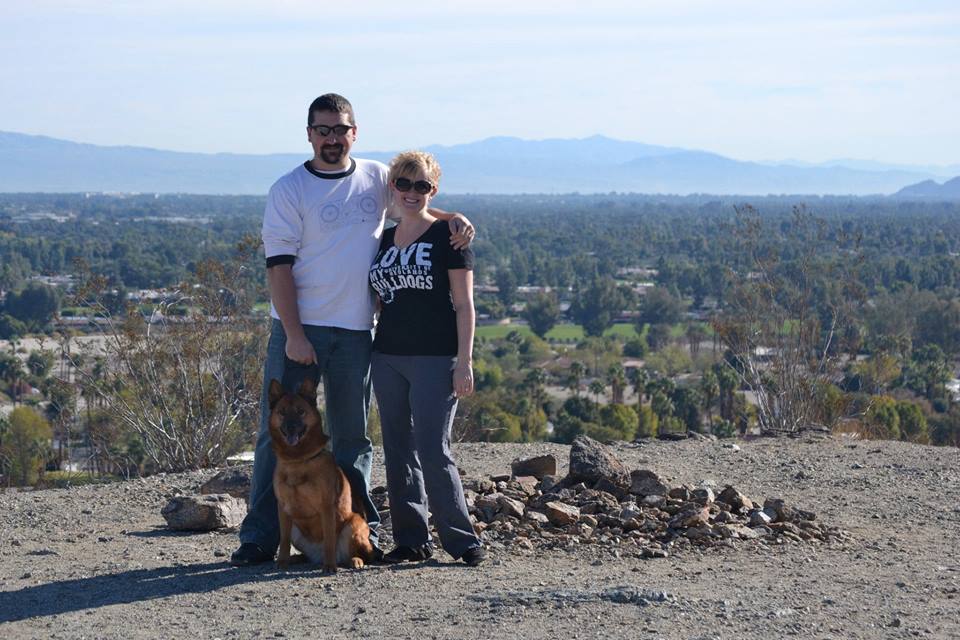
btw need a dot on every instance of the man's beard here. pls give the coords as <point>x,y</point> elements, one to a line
<point>331,153</point>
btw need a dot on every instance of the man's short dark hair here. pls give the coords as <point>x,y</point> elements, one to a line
<point>332,102</point>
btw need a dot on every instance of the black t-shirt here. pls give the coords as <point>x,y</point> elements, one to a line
<point>417,317</point>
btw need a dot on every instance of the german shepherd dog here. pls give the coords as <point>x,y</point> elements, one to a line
<point>314,503</point>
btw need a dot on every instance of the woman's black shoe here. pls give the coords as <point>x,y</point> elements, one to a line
<point>408,554</point>
<point>474,556</point>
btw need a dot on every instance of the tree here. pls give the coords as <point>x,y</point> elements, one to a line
<point>783,317</point>
<point>597,388</point>
<point>597,305</point>
<point>658,335</point>
<point>621,419</point>
<point>187,386</point>
<point>39,363</point>
<point>24,445</point>
<point>659,306</point>
<point>710,391</point>
<point>913,424</point>
<point>36,306</point>
<point>542,313</point>
<point>575,377</point>
<point>882,419</point>
<point>11,372</point>
<point>617,379</point>
<point>506,287</point>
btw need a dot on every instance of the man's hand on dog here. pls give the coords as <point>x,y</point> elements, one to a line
<point>300,350</point>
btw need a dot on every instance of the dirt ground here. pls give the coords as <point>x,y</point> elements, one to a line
<point>96,562</point>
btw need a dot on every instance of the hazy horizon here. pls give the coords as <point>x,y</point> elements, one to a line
<point>746,80</point>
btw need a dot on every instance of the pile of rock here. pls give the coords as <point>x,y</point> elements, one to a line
<point>600,502</point>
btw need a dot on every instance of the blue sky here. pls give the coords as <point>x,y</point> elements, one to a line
<point>807,80</point>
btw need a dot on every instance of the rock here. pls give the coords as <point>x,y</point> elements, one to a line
<point>562,514</point>
<point>647,483</point>
<point>588,520</point>
<point>234,481</point>
<point>653,501</point>
<point>540,519</point>
<point>528,484</point>
<point>511,507</point>
<point>629,511</point>
<point>703,497</point>
<point>759,518</point>
<point>679,493</point>
<point>695,516</point>
<point>489,501</point>
<point>538,467</point>
<point>591,461</point>
<point>738,502</point>
<point>778,510</point>
<point>549,482</point>
<point>654,552</point>
<point>204,513</point>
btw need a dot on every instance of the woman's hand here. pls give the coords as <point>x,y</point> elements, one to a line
<point>463,379</point>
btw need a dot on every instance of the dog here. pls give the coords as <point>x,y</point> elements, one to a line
<point>314,502</point>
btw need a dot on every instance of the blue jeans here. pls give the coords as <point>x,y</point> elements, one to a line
<point>343,363</point>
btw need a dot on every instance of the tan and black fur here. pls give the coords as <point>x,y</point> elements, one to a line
<point>314,502</point>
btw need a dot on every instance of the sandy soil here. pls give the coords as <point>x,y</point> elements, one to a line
<point>96,562</point>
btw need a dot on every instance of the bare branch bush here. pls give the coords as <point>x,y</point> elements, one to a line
<point>185,377</point>
<point>787,318</point>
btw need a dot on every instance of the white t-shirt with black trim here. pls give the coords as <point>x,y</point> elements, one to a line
<point>329,226</point>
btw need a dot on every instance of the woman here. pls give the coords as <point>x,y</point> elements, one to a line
<point>422,362</point>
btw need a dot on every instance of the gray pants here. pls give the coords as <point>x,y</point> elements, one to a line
<point>417,405</point>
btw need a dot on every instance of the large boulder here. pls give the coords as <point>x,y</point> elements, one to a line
<point>234,481</point>
<point>591,461</point>
<point>204,513</point>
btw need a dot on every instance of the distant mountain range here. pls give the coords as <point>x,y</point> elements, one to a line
<point>930,190</point>
<point>597,164</point>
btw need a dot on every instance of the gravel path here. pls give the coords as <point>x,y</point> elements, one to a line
<point>95,562</point>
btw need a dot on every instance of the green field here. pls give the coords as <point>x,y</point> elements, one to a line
<point>560,333</point>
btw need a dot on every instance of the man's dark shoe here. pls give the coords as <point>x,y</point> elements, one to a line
<point>474,556</point>
<point>249,553</point>
<point>408,554</point>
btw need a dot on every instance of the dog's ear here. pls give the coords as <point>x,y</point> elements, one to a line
<point>275,392</point>
<point>308,389</point>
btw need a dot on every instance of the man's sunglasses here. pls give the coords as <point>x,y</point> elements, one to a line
<point>324,130</point>
<point>420,186</point>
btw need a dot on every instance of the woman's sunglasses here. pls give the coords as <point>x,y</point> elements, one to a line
<point>420,186</point>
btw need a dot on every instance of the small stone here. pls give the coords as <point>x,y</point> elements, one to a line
<point>562,514</point>
<point>511,507</point>
<point>528,484</point>
<point>536,517</point>
<point>654,501</point>
<point>654,552</point>
<point>737,501</point>
<point>647,483</point>
<point>548,482</point>
<point>589,520</point>
<point>759,518</point>
<point>538,466</point>
<point>704,497</point>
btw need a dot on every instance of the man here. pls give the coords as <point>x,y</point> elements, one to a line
<point>321,231</point>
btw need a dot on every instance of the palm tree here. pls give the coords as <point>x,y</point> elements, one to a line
<point>710,388</point>
<point>577,370</point>
<point>617,379</point>
<point>597,388</point>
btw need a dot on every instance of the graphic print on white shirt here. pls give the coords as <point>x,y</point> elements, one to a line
<point>407,268</point>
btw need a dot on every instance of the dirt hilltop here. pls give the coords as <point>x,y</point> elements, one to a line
<point>97,562</point>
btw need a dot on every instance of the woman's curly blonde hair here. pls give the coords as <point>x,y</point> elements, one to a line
<point>411,162</point>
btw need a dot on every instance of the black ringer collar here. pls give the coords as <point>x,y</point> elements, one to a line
<point>332,176</point>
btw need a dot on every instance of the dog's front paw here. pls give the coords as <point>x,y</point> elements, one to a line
<point>328,568</point>
<point>356,563</point>
<point>282,565</point>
